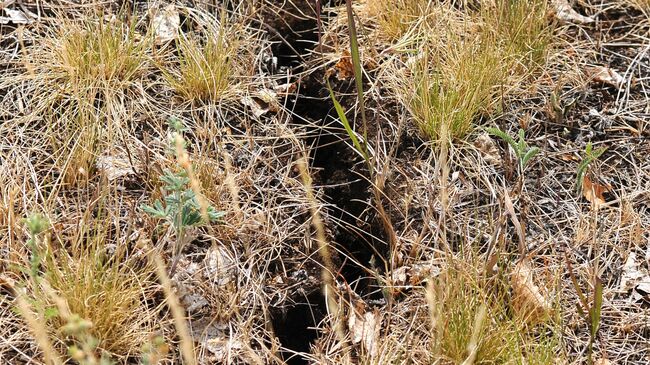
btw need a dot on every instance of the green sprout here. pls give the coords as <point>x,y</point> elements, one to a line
<point>590,156</point>
<point>523,152</point>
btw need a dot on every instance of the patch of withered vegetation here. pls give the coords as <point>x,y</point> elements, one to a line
<point>449,312</point>
<point>558,226</point>
<point>84,142</point>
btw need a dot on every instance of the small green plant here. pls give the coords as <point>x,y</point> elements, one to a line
<point>588,158</point>
<point>590,312</point>
<point>360,146</point>
<point>181,207</point>
<point>558,109</point>
<point>523,152</point>
<point>84,352</point>
<point>36,224</point>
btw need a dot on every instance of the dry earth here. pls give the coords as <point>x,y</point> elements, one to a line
<point>436,249</point>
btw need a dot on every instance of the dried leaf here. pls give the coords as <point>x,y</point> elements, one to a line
<point>632,274</point>
<point>565,12</point>
<point>344,68</point>
<point>365,330</point>
<point>413,275</point>
<point>258,107</point>
<point>488,149</point>
<point>269,97</point>
<point>593,191</point>
<point>220,266</point>
<point>114,167</point>
<point>602,361</point>
<point>528,300</point>
<point>642,290</point>
<point>423,271</point>
<point>569,157</point>
<point>15,17</point>
<point>400,275</point>
<point>607,76</point>
<point>165,23</point>
<point>285,89</point>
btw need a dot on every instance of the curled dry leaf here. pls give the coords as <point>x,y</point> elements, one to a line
<point>365,330</point>
<point>220,266</point>
<point>262,102</point>
<point>285,89</point>
<point>593,191</point>
<point>344,69</point>
<point>564,12</point>
<point>165,23</point>
<point>185,280</point>
<point>635,278</point>
<point>399,275</point>
<point>632,273</point>
<point>413,275</point>
<point>529,300</point>
<point>607,76</point>
<point>114,166</point>
<point>488,149</point>
<point>15,17</point>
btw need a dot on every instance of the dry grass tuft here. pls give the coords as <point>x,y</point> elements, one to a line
<point>81,75</point>
<point>102,54</point>
<point>452,91</point>
<point>214,63</point>
<point>89,293</point>
<point>460,316</point>
<point>468,61</point>
<point>450,64</point>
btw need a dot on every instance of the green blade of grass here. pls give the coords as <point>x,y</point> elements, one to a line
<point>348,128</point>
<point>356,63</point>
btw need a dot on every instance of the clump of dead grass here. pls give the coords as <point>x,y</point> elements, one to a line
<point>80,75</point>
<point>460,59</point>
<point>451,92</point>
<point>395,18</point>
<point>459,316</point>
<point>89,88</point>
<point>88,301</point>
<point>214,63</point>
<point>102,53</point>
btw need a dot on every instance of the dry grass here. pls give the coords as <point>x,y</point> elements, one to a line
<point>215,62</point>
<point>439,202</point>
<point>86,106</point>
<point>451,92</point>
<point>467,61</point>
<point>79,73</point>
<point>110,290</point>
<point>459,316</point>
<point>84,101</point>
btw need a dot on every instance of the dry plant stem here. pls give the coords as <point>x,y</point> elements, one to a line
<point>323,248</point>
<point>38,328</point>
<point>378,188</point>
<point>472,347</point>
<point>434,315</point>
<point>443,171</point>
<point>187,347</point>
<point>519,228</point>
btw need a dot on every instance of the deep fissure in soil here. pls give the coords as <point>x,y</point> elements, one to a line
<point>340,173</point>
